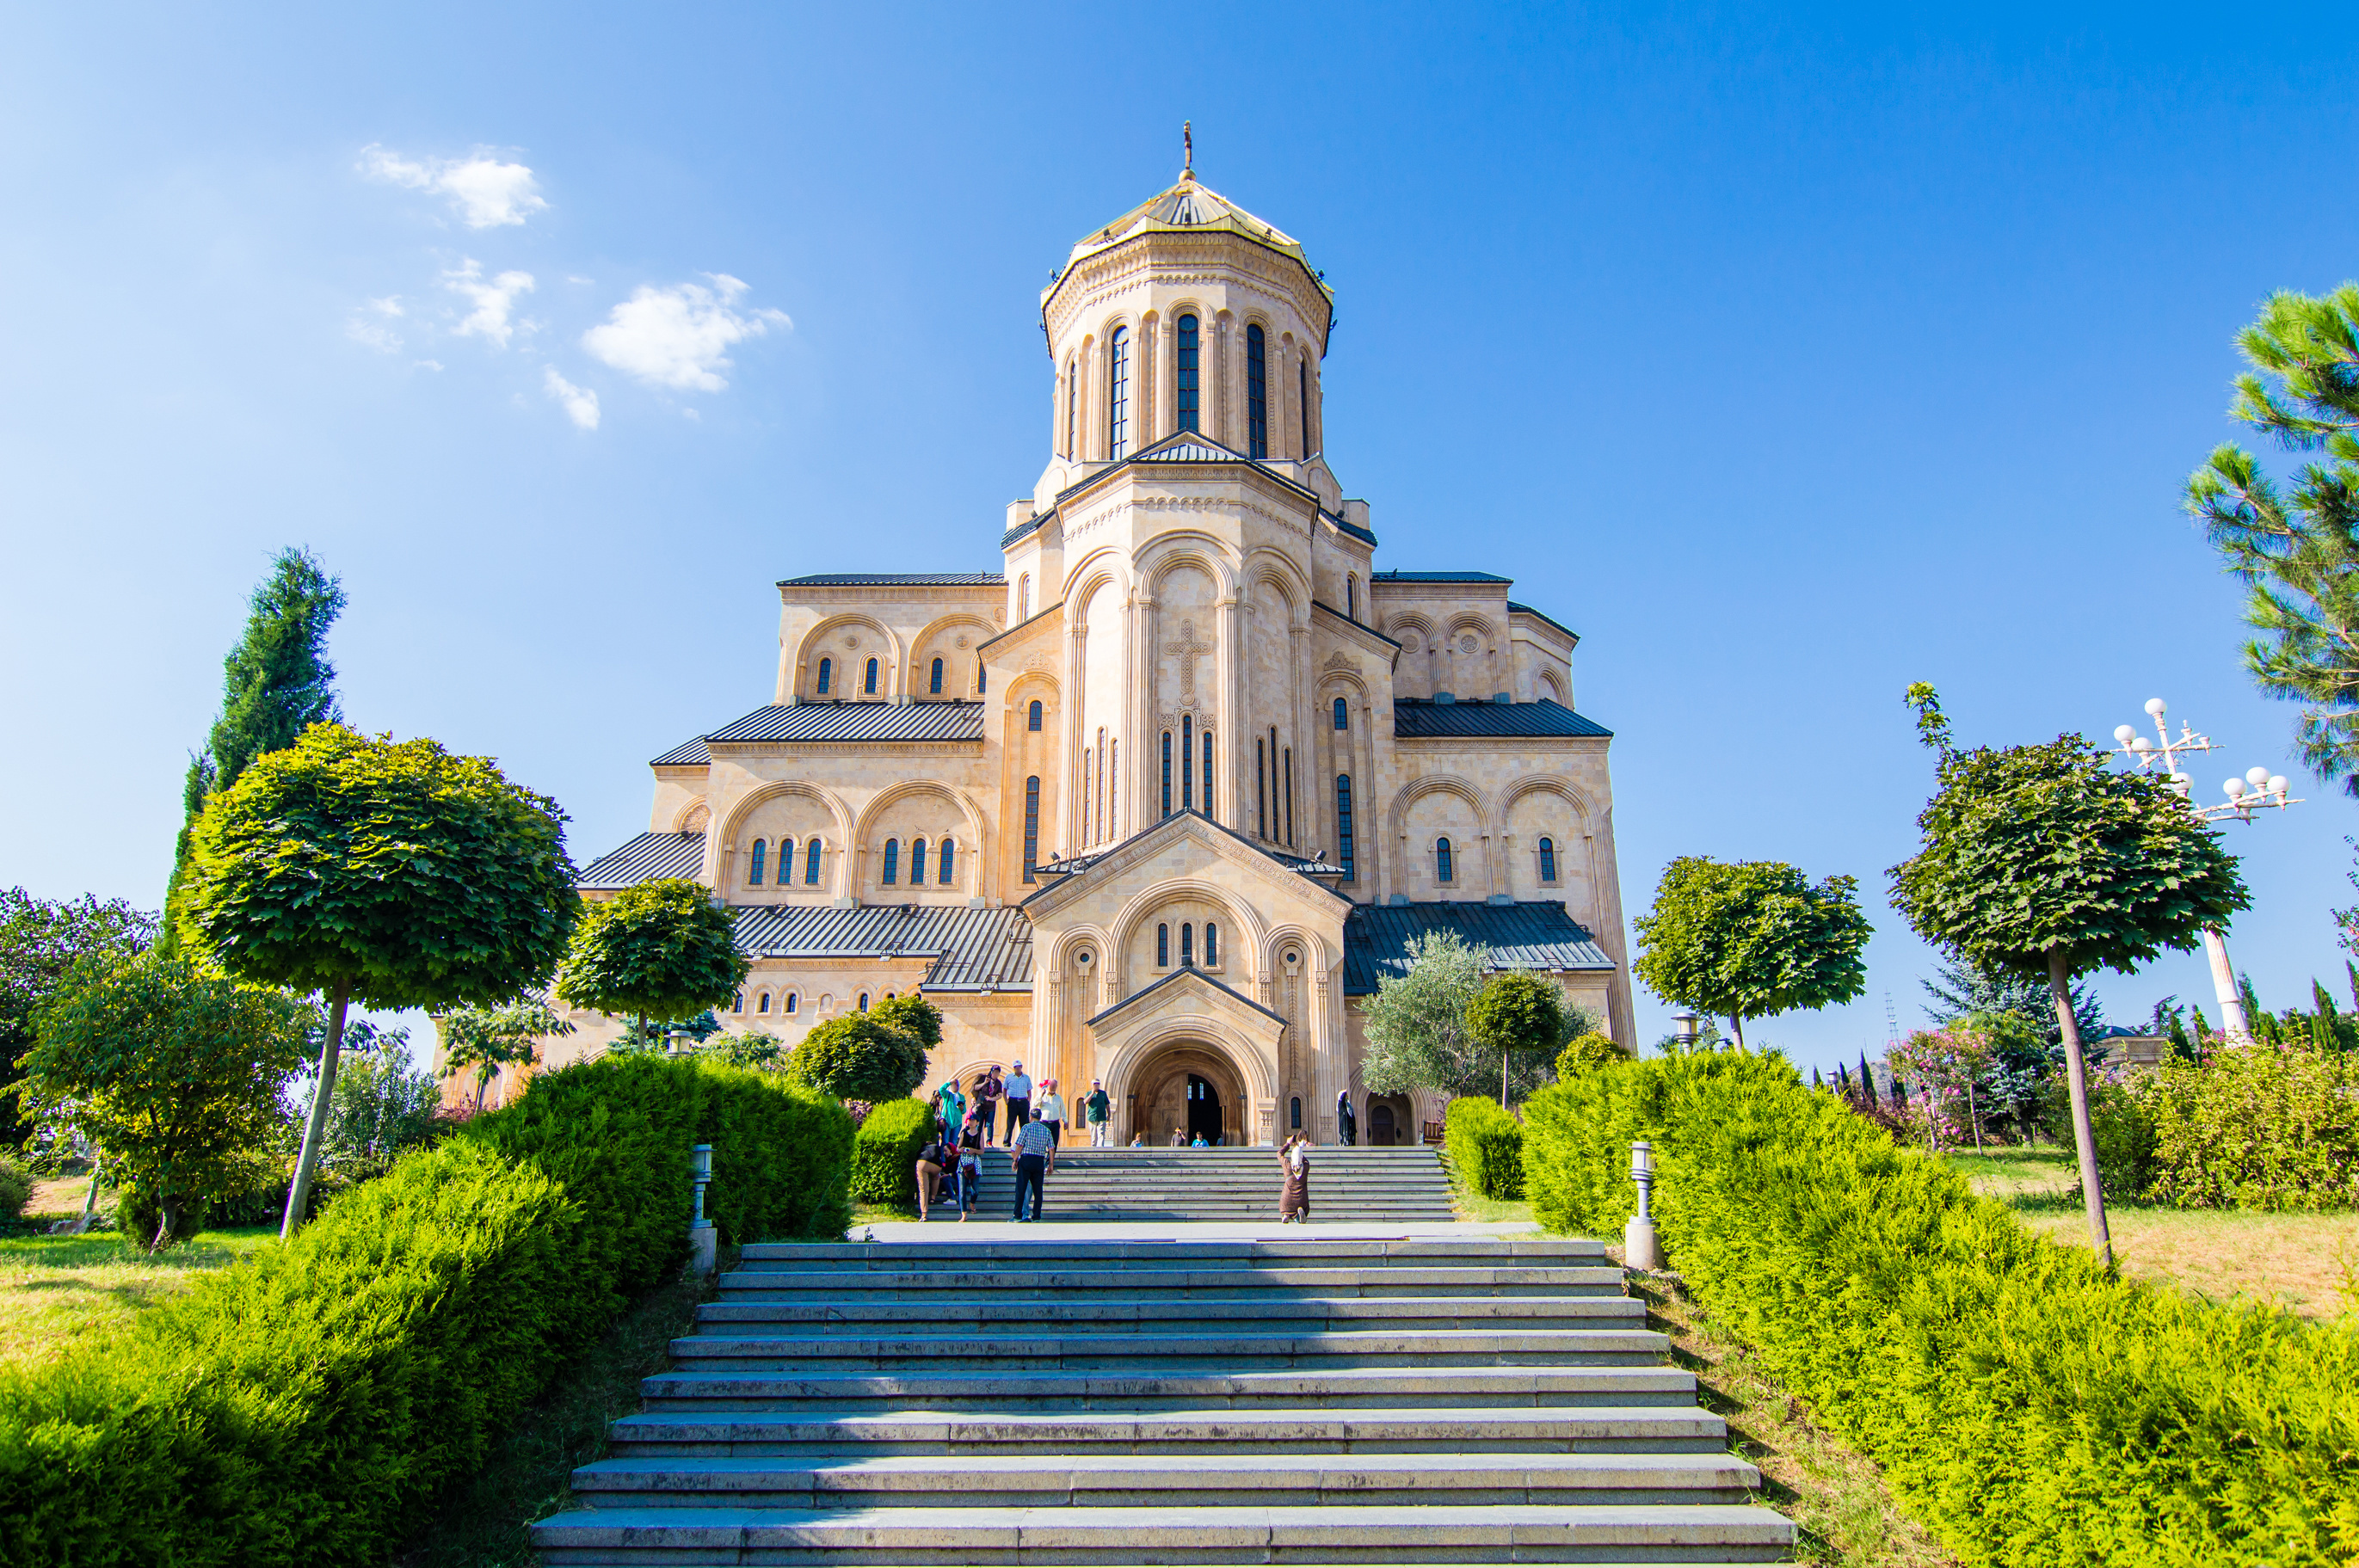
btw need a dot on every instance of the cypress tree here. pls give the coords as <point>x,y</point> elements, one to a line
<point>1866,1080</point>
<point>276,684</point>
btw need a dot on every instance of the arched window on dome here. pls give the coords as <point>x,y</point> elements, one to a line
<point>1548,860</point>
<point>1189,359</point>
<point>1167,773</point>
<point>754,872</point>
<point>786,862</point>
<point>1351,599</point>
<point>1032,827</point>
<point>1187,762</point>
<point>916,863</point>
<point>1163,947</point>
<point>892,862</point>
<point>826,672</point>
<point>1118,394</point>
<point>871,688</point>
<point>1343,714</point>
<point>1443,869</point>
<point>1186,947</point>
<point>937,689</point>
<point>1032,720</point>
<point>945,861</point>
<point>1257,395</point>
<point>1072,404</point>
<point>1207,739</point>
<point>810,864</point>
<point>1212,945</point>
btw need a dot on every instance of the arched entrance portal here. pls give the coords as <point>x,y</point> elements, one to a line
<point>1187,1086</point>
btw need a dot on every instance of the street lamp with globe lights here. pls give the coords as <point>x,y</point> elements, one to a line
<point>2258,790</point>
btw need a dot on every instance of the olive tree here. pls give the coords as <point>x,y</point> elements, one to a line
<point>175,1070</point>
<point>660,952</point>
<point>2044,859</point>
<point>392,873</point>
<point>1751,939</point>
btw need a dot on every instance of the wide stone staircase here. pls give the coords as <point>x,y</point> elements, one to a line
<point>1403,1186</point>
<point>1402,1401</point>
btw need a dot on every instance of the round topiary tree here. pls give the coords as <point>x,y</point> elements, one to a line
<point>1518,1016</point>
<point>856,1057</point>
<point>661,952</point>
<point>2044,859</point>
<point>1751,939</point>
<point>392,875</point>
<point>1586,1053</point>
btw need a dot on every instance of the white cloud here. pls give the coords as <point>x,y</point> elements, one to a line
<point>369,335</point>
<point>492,300</point>
<point>680,337</point>
<point>388,306</point>
<point>486,193</point>
<point>427,364</point>
<point>580,403</point>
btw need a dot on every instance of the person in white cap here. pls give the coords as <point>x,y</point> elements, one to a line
<point>1019,1101</point>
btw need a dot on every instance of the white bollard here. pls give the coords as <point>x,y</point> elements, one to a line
<point>1638,1247</point>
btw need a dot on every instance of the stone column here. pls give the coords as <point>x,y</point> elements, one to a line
<point>1076,726</point>
<point>1146,751</point>
<point>1166,376</point>
<point>1306,815</point>
<point>1229,678</point>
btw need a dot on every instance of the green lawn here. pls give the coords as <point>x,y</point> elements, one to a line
<point>2302,1262</point>
<point>56,1290</point>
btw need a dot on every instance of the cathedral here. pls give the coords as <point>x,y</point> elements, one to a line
<point>1158,801</point>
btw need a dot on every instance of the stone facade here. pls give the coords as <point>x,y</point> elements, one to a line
<point>1152,803</point>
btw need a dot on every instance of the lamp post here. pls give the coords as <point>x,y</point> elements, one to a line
<point>2258,790</point>
<point>1638,1247</point>
<point>1686,1027</point>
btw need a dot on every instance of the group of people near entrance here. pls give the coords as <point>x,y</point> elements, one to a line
<point>949,1166</point>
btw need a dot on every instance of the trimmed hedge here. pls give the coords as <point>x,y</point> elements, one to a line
<point>2029,1407</point>
<point>1485,1146</point>
<point>884,1154</point>
<point>305,1406</point>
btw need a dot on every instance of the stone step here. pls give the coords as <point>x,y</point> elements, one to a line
<point>1236,1252</point>
<point>1674,1428</point>
<point>1271,1315</point>
<point>1195,1480</point>
<point>1329,1388</point>
<point>1211,1284</point>
<point>714,1353</point>
<point>1709,1532</point>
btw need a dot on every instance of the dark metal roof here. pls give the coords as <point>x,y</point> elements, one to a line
<point>1415,719</point>
<point>1438,576</point>
<point>1174,978</point>
<point>1354,529</point>
<point>1073,865</point>
<point>1377,938</point>
<point>896,579</point>
<point>1362,626</point>
<point>1187,446</point>
<point>1515,609</point>
<point>646,858</point>
<point>972,948</point>
<point>1037,521</point>
<point>839,721</point>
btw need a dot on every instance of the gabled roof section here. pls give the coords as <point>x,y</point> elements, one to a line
<point>842,722</point>
<point>1185,972</point>
<point>972,949</point>
<point>1188,447</point>
<point>1377,938</point>
<point>1438,576</point>
<point>1541,615</point>
<point>1063,871</point>
<point>1352,528</point>
<point>1417,718</point>
<point>1038,521</point>
<point>897,580</point>
<point>651,856</point>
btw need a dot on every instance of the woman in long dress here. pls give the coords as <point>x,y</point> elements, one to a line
<point>1294,1159</point>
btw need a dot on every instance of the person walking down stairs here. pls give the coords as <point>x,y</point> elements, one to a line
<point>1095,1109</point>
<point>1033,1156</point>
<point>1294,1162</point>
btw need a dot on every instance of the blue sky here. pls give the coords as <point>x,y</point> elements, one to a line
<point>1787,354</point>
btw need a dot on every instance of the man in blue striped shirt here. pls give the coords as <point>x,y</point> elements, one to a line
<point>1033,1157</point>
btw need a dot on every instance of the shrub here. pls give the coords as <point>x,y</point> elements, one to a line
<point>16,1188</point>
<point>1587,1052</point>
<point>884,1154</point>
<point>856,1057</point>
<point>2265,1127</point>
<point>2034,1409</point>
<point>306,1405</point>
<point>1485,1146</point>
